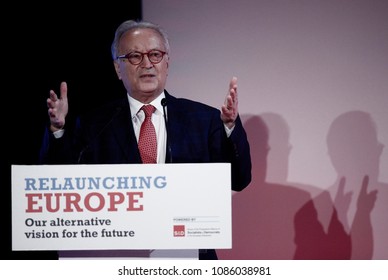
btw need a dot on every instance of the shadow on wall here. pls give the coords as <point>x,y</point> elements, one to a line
<point>263,213</point>
<point>357,223</point>
<point>277,219</point>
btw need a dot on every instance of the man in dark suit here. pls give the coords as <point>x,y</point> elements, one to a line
<point>187,131</point>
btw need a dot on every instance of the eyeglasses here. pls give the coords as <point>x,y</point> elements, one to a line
<point>135,58</point>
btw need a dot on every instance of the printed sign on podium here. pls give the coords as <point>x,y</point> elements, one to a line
<point>123,206</point>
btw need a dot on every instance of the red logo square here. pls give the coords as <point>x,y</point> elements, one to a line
<point>179,230</point>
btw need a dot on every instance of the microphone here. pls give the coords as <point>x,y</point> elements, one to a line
<point>117,111</point>
<point>164,104</point>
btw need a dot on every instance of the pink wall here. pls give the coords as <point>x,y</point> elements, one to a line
<point>313,95</point>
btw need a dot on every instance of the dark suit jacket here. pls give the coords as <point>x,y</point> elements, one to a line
<point>195,134</point>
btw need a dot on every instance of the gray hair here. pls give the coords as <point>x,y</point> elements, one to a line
<point>132,25</point>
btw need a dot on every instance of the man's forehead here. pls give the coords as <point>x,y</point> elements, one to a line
<point>141,38</point>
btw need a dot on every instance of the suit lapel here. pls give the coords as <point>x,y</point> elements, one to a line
<point>123,131</point>
<point>176,129</point>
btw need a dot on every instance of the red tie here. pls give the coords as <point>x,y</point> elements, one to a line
<point>147,138</point>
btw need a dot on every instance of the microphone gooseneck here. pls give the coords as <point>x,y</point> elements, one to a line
<point>164,105</point>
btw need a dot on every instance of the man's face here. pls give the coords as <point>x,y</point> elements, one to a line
<point>145,81</point>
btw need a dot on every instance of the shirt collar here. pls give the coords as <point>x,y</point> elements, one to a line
<point>135,105</point>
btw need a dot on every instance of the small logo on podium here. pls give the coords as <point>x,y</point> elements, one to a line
<point>179,230</point>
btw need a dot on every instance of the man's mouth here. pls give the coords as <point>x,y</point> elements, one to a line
<point>147,76</point>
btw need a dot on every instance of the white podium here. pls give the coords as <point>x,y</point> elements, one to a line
<point>167,210</point>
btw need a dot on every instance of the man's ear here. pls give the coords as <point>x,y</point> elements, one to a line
<point>117,69</point>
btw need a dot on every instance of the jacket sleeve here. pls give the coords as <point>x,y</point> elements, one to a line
<point>240,157</point>
<point>61,150</point>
